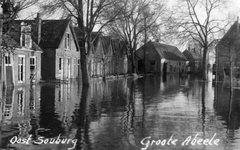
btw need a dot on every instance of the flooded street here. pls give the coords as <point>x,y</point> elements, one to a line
<point>151,113</point>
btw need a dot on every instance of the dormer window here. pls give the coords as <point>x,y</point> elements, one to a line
<point>26,40</point>
<point>67,42</point>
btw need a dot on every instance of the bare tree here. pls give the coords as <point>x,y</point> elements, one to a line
<point>196,21</point>
<point>87,14</point>
<point>137,18</point>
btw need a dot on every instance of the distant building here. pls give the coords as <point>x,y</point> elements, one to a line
<point>107,56</point>
<point>160,58</point>
<point>195,61</point>
<point>115,58</point>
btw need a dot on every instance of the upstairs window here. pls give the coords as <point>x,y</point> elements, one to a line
<point>67,42</point>
<point>7,60</point>
<point>26,40</point>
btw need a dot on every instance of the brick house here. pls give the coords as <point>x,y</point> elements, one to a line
<point>21,55</point>
<point>228,47</point>
<point>160,58</point>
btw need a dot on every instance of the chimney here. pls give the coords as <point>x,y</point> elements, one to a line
<point>39,26</point>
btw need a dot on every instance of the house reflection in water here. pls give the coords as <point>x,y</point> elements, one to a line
<point>38,110</point>
<point>19,104</point>
<point>228,108</point>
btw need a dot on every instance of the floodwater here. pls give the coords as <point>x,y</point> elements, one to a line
<point>149,113</point>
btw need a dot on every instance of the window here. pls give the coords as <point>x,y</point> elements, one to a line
<point>25,39</point>
<point>32,62</point>
<point>67,42</point>
<point>60,63</point>
<point>7,60</point>
<point>21,69</point>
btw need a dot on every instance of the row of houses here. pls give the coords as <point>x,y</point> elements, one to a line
<point>34,50</point>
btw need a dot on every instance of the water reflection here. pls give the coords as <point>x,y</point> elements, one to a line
<point>118,114</point>
<point>227,106</point>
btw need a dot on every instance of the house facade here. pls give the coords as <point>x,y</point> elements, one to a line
<point>227,51</point>
<point>160,58</point>
<point>61,53</point>
<point>21,56</point>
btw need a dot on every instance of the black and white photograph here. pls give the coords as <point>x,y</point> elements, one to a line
<point>119,75</point>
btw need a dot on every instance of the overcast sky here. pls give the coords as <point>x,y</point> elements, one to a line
<point>232,8</point>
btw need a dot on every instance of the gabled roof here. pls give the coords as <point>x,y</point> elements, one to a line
<point>77,32</point>
<point>10,42</point>
<point>166,51</point>
<point>7,41</point>
<point>11,38</point>
<point>173,56</point>
<point>52,32</point>
<point>190,55</point>
<point>231,34</point>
